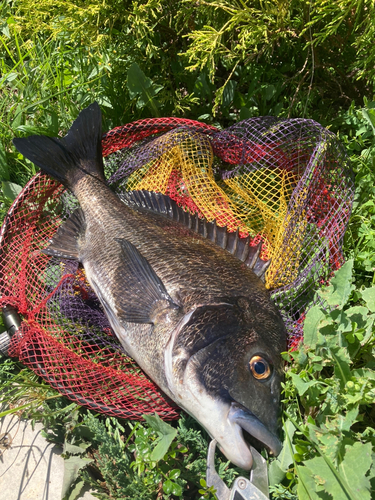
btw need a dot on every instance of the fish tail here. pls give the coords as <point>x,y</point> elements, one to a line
<point>70,158</point>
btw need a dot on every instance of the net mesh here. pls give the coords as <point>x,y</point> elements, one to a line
<point>285,183</point>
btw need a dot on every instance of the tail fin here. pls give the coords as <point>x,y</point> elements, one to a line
<point>77,154</point>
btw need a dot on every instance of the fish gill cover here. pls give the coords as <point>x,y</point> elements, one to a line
<point>286,184</point>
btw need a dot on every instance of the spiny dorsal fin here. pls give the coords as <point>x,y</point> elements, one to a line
<point>239,247</point>
<point>65,242</point>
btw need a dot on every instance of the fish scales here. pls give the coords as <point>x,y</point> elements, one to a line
<point>197,320</point>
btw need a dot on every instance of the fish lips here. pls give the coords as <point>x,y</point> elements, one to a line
<point>244,420</point>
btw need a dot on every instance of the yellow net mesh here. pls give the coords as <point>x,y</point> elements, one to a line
<point>256,202</point>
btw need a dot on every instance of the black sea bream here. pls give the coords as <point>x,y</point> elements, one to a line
<point>195,317</point>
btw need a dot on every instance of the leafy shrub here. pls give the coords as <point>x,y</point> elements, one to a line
<point>329,390</point>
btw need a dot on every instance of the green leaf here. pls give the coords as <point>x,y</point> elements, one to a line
<point>174,474</point>
<point>325,479</point>
<point>11,190</point>
<point>346,422</point>
<point>166,433</point>
<point>177,490</point>
<point>168,486</point>
<point>269,91</point>
<point>341,366</point>
<point>245,113</point>
<point>368,296</point>
<point>338,292</point>
<point>369,116</point>
<point>4,168</point>
<point>75,449</point>
<point>300,384</point>
<point>75,493</point>
<point>357,461</point>
<point>201,86</point>
<point>330,443</point>
<point>72,466</point>
<point>228,93</point>
<point>18,115</point>
<point>139,85</point>
<point>306,487</point>
<point>9,77</point>
<point>358,314</point>
<point>280,465</point>
<point>311,325</point>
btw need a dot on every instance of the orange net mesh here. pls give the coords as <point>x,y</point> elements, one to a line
<point>286,183</point>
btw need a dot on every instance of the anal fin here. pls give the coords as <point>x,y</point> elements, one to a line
<point>65,242</point>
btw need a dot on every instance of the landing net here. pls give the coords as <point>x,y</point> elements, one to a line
<point>285,183</point>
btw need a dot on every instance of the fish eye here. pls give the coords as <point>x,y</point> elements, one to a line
<point>259,368</point>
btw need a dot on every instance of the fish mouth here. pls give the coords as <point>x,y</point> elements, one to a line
<point>241,419</point>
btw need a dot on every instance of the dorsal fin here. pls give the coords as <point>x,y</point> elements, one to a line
<point>230,241</point>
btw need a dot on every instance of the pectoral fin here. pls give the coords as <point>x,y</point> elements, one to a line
<point>148,293</point>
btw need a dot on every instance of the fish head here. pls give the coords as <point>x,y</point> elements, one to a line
<point>224,367</point>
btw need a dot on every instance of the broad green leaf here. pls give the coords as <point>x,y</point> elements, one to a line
<point>72,466</point>
<point>306,487</point>
<point>365,373</point>
<point>104,101</point>
<point>140,85</point>
<point>358,314</point>
<point>75,449</point>
<point>137,82</point>
<point>168,486</point>
<point>245,113</point>
<point>369,116</point>
<point>341,366</point>
<point>174,474</point>
<point>75,493</point>
<point>311,325</point>
<point>177,490</point>
<point>337,293</point>
<point>269,91</point>
<point>166,435</point>
<point>11,190</point>
<point>9,77</point>
<point>280,465</point>
<point>228,92</point>
<point>275,473</point>
<point>300,384</point>
<point>5,30</point>
<point>368,329</point>
<point>368,296</point>
<point>201,86</point>
<point>357,461</point>
<point>330,444</point>
<point>326,480</point>
<point>346,422</point>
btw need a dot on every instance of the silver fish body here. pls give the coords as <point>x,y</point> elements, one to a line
<point>196,319</point>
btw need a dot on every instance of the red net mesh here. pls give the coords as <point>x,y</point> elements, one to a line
<point>286,183</point>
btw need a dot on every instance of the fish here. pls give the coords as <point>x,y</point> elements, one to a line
<point>182,294</point>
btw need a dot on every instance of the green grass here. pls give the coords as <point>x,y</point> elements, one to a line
<point>46,78</point>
